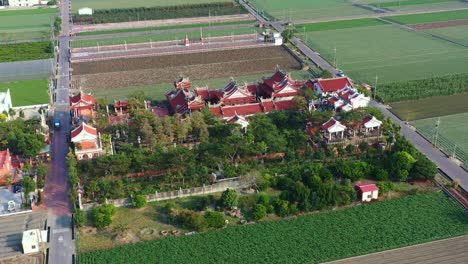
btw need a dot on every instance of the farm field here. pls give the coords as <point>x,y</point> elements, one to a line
<point>26,24</point>
<point>307,9</point>
<point>452,135</point>
<point>164,69</point>
<point>25,51</point>
<point>430,6</point>
<point>143,29</point>
<point>414,56</point>
<point>430,17</point>
<point>30,92</point>
<point>311,238</point>
<point>162,37</point>
<point>109,4</point>
<point>431,107</point>
<point>407,3</point>
<point>341,24</point>
<point>158,91</point>
<point>458,34</point>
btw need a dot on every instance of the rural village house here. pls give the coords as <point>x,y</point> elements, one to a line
<point>367,192</point>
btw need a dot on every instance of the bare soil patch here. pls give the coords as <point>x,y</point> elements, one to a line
<point>163,69</point>
<point>160,23</point>
<point>452,23</point>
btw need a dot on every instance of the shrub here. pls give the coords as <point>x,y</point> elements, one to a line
<point>259,212</point>
<point>102,215</point>
<point>190,220</point>
<point>139,201</point>
<point>215,219</point>
<point>80,217</point>
<point>229,198</point>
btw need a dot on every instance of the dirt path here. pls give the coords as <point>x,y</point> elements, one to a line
<point>159,23</point>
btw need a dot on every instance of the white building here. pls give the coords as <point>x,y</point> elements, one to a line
<point>370,124</point>
<point>85,11</point>
<point>367,191</point>
<point>5,101</point>
<point>87,142</point>
<point>34,240</point>
<point>333,127</point>
<point>20,3</point>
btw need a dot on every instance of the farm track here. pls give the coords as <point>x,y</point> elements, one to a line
<point>452,23</point>
<point>163,69</point>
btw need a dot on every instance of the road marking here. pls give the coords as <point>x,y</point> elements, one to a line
<point>61,230</point>
<point>60,239</point>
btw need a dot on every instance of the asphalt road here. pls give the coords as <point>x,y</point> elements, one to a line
<point>447,251</point>
<point>61,245</point>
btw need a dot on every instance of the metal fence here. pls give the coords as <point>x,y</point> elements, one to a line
<point>445,145</point>
<point>26,70</point>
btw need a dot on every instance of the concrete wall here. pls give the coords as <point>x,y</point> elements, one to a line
<point>219,186</point>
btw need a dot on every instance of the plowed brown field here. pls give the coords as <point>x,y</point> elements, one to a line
<point>452,23</point>
<point>164,69</point>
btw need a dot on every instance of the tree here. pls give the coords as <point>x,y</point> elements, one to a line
<point>39,197</point>
<point>288,34</point>
<point>229,198</point>
<point>325,74</point>
<point>52,2</point>
<point>423,169</point>
<point>80,217</point>
<point>190,220</point>
<point>29,185</point>
<point>139,201</point>
<point>102,215</point>
<point>401,164</point>
<point>259,212</point>
<point>215,219</point>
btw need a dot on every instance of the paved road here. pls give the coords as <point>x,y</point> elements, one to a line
<point>440,159</point>
<point>56,191</point>
<point>448,251</point>
<point>166,31</point>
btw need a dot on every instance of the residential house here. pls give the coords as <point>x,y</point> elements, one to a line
<point>326,87</point>
<point>367,191</point>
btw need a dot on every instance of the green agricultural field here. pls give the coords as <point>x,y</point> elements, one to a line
<point>158,91</point>
<point>340,24</point>
<point>407,2</point>
<point>311,238</point>
<point>25,51</point>
<point>26,24</point>
<point>366,52</point>
<point>162,37</point>
<point>452,135</point>
<point>430,17</point>
<point>431,107</point>
<point>204,25</point>
<point>458,34</point>
<point>307,9</point>
<point>109,4</point>
<point>30,92</point>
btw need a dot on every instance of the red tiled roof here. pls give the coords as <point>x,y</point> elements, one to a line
<point>268,106</point>
<point>217,111</point>
<point>329,123</point>
<point>334,85</point>
<point>367,187</point>
<point>243,110</point>
<point>177,101</point>
<point>5,161</point>
<point>120,104</point>
<point>367,119</point>
<point>160,111</point>
<point>235,118</point>
<point>333,100</point>
<point>81,97</point>
<point>87,128</point>
<point>252,88</point>
<point>87,145</point>
<point>183,83</point>
<point>285,105</point>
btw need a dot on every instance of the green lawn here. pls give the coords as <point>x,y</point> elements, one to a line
<point>26,24</point>
<point>311,238</point>
<point>389,52</point>
<point>431,107</point>
<point>24,51</point>
<point>162,37</point>
<point>30,92</point>
<point>430,17</point>
<point>458,34</point>
<point>307,9</point>
<point>452,133</point>
<point>102,32</point>
<point>158,91</point>
<point>341,24</point>
<point>109,4</point>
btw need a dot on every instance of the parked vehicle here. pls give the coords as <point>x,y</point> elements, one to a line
<point>57,124</point>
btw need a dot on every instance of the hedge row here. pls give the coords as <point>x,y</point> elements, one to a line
<point>155,13</point>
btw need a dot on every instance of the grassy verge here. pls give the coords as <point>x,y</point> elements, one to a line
<point>364,22</point>
<point>161,37</point>
<point>158,92</point>
<point>25,51</point>
<point>430,17</point>
<point>30,92</point>
<point>103,32</point>
<point>306,239</point>
<point>28,12</point>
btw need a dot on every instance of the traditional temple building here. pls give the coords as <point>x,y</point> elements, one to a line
<point>371,125</point>
<point>279,86</point>
<point>333,128</point>
<point>325,87</point>
<point>231,94</point>
<point>237,119</point>
<point>82,105</point>
<point>121,107</point>
<point>5,163</point>
<point>87,142</point>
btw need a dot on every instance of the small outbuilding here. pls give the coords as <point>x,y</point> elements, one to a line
<point>85,11</point>
<point>367,191</point>
<point>34,241</point>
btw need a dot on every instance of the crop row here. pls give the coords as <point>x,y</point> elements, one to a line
<point>306,239</point>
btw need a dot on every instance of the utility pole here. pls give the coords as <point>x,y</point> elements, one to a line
<point>436,136</point>
<point>454,155</point>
